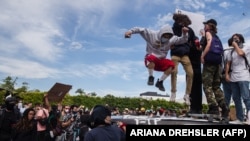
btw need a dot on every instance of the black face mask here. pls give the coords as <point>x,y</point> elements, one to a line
<point>10,107</point>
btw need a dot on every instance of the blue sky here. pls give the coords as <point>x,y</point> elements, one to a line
<point>81,42</point>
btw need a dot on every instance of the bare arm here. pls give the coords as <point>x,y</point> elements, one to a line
<point>207,48</point>
<point>227,67</point>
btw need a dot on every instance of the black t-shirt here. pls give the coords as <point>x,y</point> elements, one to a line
<point>9,119</point>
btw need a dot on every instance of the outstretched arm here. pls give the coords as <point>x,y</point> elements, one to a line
<point>128,34</point>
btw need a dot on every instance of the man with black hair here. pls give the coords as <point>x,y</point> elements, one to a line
<point>102,128</point>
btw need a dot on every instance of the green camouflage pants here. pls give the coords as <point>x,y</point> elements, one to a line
<point>211,79</point>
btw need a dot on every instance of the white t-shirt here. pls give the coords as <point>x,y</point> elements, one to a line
<point>239,70</point>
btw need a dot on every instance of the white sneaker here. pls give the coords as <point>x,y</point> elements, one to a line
<point>237,122</point>
<point>172,97</point>
<point>187,99</point>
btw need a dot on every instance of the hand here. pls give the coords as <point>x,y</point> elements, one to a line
<point>227,77</point>
<point>202,59</point>
<point>234,44</point>
<point>72,119</point>
<point>197,43</point>
<point>128,34</point>
<point>185,29</point>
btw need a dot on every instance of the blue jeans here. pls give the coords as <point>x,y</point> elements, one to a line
<point>242,88</point>
<point>236,98</point>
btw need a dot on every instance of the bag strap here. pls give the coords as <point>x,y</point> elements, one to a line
<point>246,62</point>
<point>45,114</point>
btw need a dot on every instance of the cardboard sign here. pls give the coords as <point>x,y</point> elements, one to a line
<point>58,91</point>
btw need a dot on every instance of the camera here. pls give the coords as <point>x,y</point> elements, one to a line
<point>237,41</point>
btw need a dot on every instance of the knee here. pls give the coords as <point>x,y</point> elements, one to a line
<point>190,73</point>
<point>169,71</point>
<point>151,65</point>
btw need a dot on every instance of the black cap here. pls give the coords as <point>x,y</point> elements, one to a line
<point>212,21</point>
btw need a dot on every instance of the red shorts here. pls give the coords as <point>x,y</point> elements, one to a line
<point>160,64</point>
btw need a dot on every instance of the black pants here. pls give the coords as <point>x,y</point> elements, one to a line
<point>44,136</point>
<point>196,91</point>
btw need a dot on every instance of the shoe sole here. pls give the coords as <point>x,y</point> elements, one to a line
<point>161,89</point>
<point>150,83</point>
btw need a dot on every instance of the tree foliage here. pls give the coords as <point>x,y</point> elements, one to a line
<point>89,101</point>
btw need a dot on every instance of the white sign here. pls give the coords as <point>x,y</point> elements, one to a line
<point>197,20</point>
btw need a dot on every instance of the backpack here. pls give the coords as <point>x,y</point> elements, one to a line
<point>215,53</point>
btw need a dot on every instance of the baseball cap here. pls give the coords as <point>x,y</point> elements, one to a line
<point>212,21</point>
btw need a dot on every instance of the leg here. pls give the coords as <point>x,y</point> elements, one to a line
<point>150,64</point>
<point>244,91</point>
<point>176,60</point>
<point>236,91</point>
<point>238,103</point>
<point>189,77</point>
<point>166,66</point>
<point>227,91</point>
<point>207,80</point>
<point>196,91</point>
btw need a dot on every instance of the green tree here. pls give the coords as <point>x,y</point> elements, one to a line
<point>9,83</point>
<point>22,89</point>
<point>80,91</point>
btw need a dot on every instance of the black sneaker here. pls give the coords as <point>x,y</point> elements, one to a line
<point>159,84</point>
<point>213,110</point>
<point>151,80</point>
<point>225,112</point>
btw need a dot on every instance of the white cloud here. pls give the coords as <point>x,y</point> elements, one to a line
<point>26,69</point>
<point>224,4</point>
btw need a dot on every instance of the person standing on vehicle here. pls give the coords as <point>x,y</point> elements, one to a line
<point>240,71</point>
<point>180,54</point>
<point>211,76</point>
<point>226,85</point>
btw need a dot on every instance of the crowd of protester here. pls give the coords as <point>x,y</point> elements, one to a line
<point>45,122</point>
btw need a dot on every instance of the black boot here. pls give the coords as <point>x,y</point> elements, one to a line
<point>159,84</point>
<point>224,113</point>
<point>213,109</point>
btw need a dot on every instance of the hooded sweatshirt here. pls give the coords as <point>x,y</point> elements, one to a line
<point>154,44</point>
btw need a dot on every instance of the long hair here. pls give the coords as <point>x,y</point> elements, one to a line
<point>24,124</point>
<point>213,28</point>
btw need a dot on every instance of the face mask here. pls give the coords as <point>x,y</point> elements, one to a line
<point>163,40</point>
<point>10,107</point>
<point>240,45</point>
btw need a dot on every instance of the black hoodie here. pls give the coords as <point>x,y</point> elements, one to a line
<point>182,49</point>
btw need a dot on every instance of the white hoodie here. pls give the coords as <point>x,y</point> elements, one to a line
<point>153,40</point>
